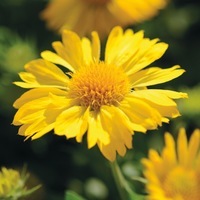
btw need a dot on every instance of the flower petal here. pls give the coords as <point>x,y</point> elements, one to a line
<point>72,122</point>
<point>87,50</point>
<point>154,75</point>
<point>36,94</point>
<point>56,59</point>
<point>96,131</point>
<point>140,10</point>
<point>161,100</point>
<point>139,112</point>
<point>43,131</point>
<point>148,52</point>
<point>72,47</point>
<point>96,46</point>
<point>120,133</point>
<point>36,129</point>
<point>121,47</point>
<point>124,131</point>
<point>31,111</point>
<point>193,147</point>
<point>108,151</point>
<point>29,81</point>
<point>169,153</point>
<point>160,97</point>
<point>182,147</point>
<point>45,74</point>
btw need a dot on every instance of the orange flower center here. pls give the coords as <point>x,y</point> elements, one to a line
<point>97,2</point>
<point>182,183</point>
<point>99,84</point>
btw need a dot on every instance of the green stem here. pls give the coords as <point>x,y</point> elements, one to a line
<point>125,191</point>
<point>119,180</point>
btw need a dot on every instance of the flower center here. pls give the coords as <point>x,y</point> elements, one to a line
<point>99,84</point>
<point>183,183</point>
<point>97,2</point>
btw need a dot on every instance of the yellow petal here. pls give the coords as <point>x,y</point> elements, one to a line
<point>156,96</point>
<point>26,115</point>
<point>35,129</point>
<point>66,55</point>
<point>139,112</point>
<point>182,147</point>
<point>71,122</point>
<point>87,50</point>
<point>95,46</point>
<point>169,154</point>
<point>120,133</point>
<point>160,97</point>
<point>157,163</point>
<point>72,44</point>
<point>193,147</point>
<point>29,80</point>
<point>173,94</point>
<point>154,75</point>
<point>112,42</point>
<point>96,131</point>
<point>47,73</point>
<point>36,94</point>
<point>107,150</point>
<point>140,10</point>
<point>122,47</point>
<point>54,58</point>
<point>43,131</point>
<point>148,52</point>
<point>167,111</point>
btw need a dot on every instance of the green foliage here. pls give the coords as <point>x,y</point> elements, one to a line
<point>70,195</point>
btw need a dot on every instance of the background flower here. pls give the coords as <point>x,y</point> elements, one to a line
<point>109,99</point>
<point>175,173</point>
<point>13,184</point>
<point>85,16</point>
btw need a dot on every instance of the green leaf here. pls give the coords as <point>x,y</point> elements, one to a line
<point>134,196</point>
<point>70,195</point>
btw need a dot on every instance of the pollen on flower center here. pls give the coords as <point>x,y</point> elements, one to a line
<point>99,84</point>
<point>183,182</point>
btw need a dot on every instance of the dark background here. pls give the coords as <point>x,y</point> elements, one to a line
<point>60,164</point>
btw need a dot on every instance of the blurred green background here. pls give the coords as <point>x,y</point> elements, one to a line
<point>60,164</point>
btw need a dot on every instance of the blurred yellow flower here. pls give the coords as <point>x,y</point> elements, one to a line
<point>85,16</point>
<point>13,184</point>
<point>175,174</point>
<point>107,98</point>
<point>9,181</point>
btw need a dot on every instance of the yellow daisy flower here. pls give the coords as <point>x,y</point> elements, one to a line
<point>175,174</point>
<point>9,181</point>
<point>13,184</point>
<point>107,98</point>
<point>85,16</point>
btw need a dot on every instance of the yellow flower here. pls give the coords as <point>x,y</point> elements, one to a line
<point>13,184</point>
<point>9,181</point>
<point>175,174</point>
<point>85,16</point>
<point>107,98</point>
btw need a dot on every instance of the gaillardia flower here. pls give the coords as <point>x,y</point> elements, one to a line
<point>175,174</point>
<point>106,98</point>
<point>85,16</point>
<point>9,182</point>
<point>13,184</point>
